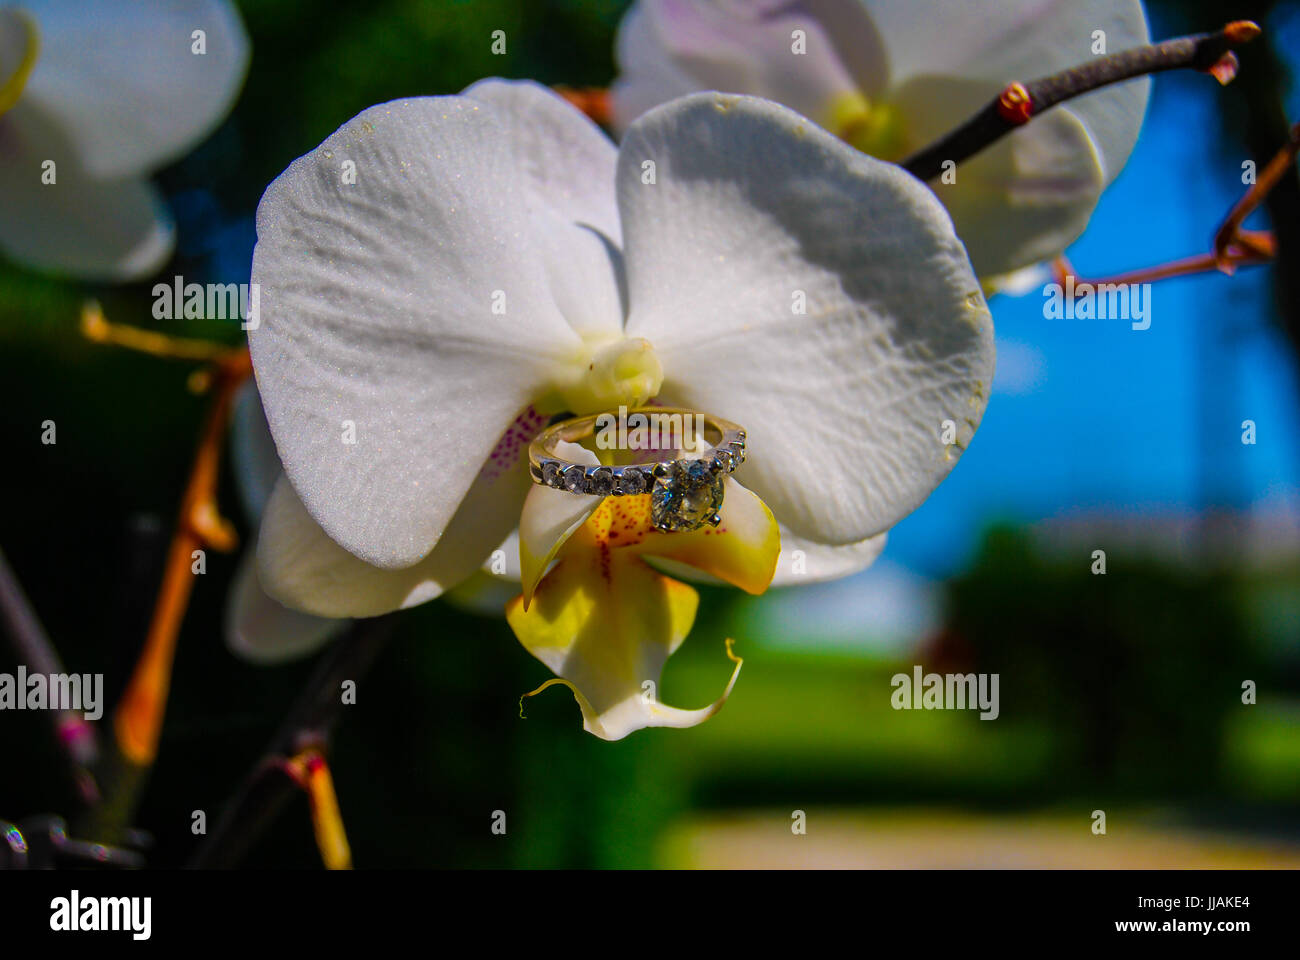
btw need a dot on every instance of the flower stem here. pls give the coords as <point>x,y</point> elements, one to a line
<point>137,720</point>
<point>304,733</point>
<point>1233,246</point>
<point>76,736</point>
<point>1021,102</point>
<point>1230,232</point>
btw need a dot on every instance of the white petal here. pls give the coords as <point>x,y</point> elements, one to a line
<point>254,461</point>
<point>566,161</point>
<point>377,311</point>
<point>261,630</point>
<point>804,561</point>
<point>997,41</point>
<point>549,518</point>
<point>504,561</point>
<point>844,405</point>
<point>567,167</point>
<point>1022,200</point>
<point>648,74</point>
<point>301,567</point>
<point>112,230</point>
<point>668,48</point>
<point>120,77</point>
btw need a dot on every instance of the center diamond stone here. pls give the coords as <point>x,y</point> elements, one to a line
<point>686,496</point>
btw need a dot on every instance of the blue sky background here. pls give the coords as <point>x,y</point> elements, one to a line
<point>1091,415</point>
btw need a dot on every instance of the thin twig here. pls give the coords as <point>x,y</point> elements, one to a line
<point>1021,102</point>
<point>1233,246</point>
<point>1230,232</point>
<point>76,736</point>
<point>272,780</point>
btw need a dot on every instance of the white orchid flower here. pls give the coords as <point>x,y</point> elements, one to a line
<point>892,76</point>
<point>94,97</point>
<point>442,275</point>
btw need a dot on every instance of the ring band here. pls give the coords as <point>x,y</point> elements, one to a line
<point>685,492</point>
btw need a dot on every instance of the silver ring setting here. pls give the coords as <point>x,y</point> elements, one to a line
<point>686,493</point>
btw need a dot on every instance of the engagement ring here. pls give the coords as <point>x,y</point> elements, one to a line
<point>685,493</point>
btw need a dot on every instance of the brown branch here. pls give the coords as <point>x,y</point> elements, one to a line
<point>1233,246</point>
<point>274,778</point>
<point>1230,232</point>
<point>75,735</point>
<point>1021,102</point>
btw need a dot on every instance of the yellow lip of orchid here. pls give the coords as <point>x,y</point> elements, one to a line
<point>603,619</point>
<point>18,24</point>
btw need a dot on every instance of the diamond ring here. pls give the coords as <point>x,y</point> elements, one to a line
<point>685,493</point>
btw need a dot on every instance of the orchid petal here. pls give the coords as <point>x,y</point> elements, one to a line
<point>253,457</point>
<point>262,630</point>
<point>1021,200</point>
<point>998,41</point>
<point>741,550</point>
<point>123,80</point>
<point>303,568</point>
<point>549,518</point>
<point>801,562</point>
<point>669,48</point>
<point>377,312</point>
<point>111,230</point>
<point>753,208</point>
<point>606,626</point>
<point>568,169</point>
<point>804,561</point>
<point>508,569</point>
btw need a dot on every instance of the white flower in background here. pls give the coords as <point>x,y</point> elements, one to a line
<point>93,97</point>
<point>893,76</point>
<point>496,260</point>
<point>258,628</point>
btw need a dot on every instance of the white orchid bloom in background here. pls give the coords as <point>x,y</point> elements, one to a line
<point>258,628</point>
<point>94,97</point>
<point>495,260</point>
<point>893,76</point>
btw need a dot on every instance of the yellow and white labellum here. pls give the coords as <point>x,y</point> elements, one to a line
<point>605,620</point>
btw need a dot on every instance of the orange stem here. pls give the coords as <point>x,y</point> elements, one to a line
<point>311,771</point>
<point>1276,168</point>
<point>138,718</point>
<point>593,101</point>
